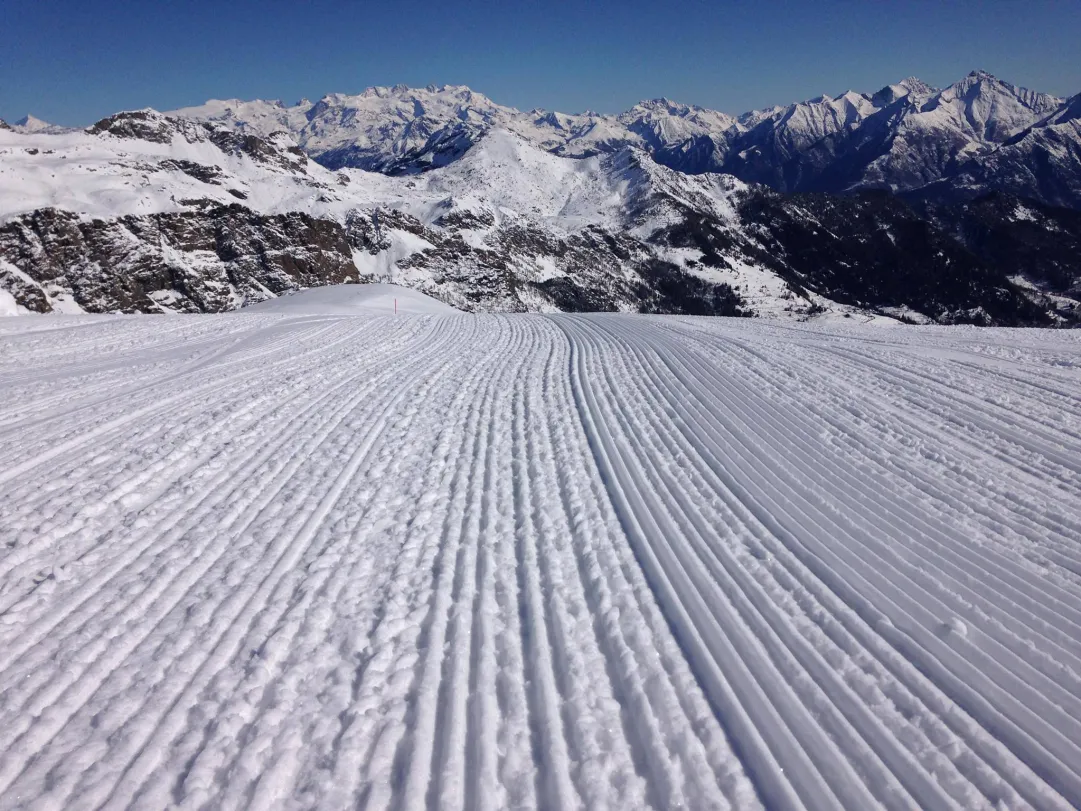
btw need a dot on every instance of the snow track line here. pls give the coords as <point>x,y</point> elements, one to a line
<point>1018,493</point>
<point>669,582</point>
<point>353,755</point>
<point>449,781</point>
<point>982,414</point>
<point>757,607</point>
<point>649,722</point>
<point>251,404</point>
<point>669,356</point>
<point>923,530</point>
<point>1018,487</point>
<point>555,788</point>
<point>140,353</point>
<point>284,630</point>
<point>263,455</point>
<point>149,390</point>
<point>764,633</point>
<point>425,756</point>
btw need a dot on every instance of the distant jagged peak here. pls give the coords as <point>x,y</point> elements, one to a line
<point>851,100</point>
<point>979,79</point>
<point>991,109</point>
<point>914,84</point>
<point>551,118</point>
<point>1069,111</point>
<point>984,82</point>
<point>404,91</point>
<point>31,125</point>
<point>668,107</point>
<point>804,122</point>
<point>675,116</point>
<point>666,104</point>
<point>401,129</point>
<point>915,90</point>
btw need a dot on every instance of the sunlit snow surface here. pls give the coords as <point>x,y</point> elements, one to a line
<point>302,559</point>
<point>354,299</point>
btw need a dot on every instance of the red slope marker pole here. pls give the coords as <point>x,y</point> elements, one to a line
<point>395,306</point>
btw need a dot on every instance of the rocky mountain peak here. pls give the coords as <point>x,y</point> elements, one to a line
<point>916,90</point>
<point>665,104</point>
<point>915,85</point>
<point>145,125</point>
<point>991,109</point>
<point>30,124</point>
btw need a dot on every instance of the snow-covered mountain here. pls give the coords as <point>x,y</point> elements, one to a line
<point>147,212</point>
<point>30,124</point>
<point>1042,161</point>
<point>404,130</point>
<point>902,138</point>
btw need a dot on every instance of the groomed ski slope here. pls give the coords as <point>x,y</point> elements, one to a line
<point>281,560</point>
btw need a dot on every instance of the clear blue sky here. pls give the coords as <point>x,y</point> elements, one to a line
<point>74,62</point>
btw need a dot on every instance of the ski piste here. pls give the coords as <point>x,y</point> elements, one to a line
<point>318,555</point>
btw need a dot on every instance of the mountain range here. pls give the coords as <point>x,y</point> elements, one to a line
<point>903,138</point>
<point>953,205</point>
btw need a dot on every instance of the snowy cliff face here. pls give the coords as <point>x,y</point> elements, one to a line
<point>1042,161</point>
<point>144,212</point>
<point>969,118</point>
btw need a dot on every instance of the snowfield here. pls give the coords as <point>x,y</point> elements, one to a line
<point>353,299</point>
<point>324,557</point>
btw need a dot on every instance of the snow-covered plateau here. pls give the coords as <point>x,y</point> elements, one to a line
<point>317,555</point>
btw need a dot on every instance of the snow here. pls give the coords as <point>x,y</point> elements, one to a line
<point>383,124</point>
<point>1021,212</point>
<point>353,299</point>
<point>503,174</point>
<point>31,124</point>
<point>8,305</point>
<point>502,180</point>
<point>290,557</point>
